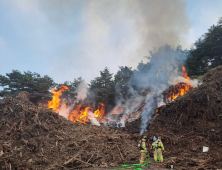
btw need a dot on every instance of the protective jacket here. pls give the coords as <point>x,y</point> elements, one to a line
<point>157,145</point>
<point>143,150</point>
<point>143,147</point>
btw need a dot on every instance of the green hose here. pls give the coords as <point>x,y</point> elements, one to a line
<point>134,165</point>
<point>147,163</point>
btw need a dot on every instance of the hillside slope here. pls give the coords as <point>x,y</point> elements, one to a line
<point>189,123</point>
<point>34,137</point>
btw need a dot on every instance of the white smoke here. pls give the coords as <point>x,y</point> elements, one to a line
<point>106,32</point>
<point>82,91</point>
<point>131,105</point>
<point>64,111</point>
<point>113,33</point>
<point>93,119</point>
<point>151,105</point>
<point>163,70</point>
<point>149,108</point>
<point>125,109</point>
<point>195,82</point>
<point>178,79</point>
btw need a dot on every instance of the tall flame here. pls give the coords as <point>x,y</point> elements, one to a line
<point>184,74</point>
<point>80,114</point>
<point>100,110</point>
<point>55,102</point>
<point>181,89</point>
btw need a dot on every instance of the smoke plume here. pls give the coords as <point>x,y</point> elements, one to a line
<point>93,119</point>
<point>108,33</point>
<point>64,111</point>
<point>163,69</point>
<point>82,91</point>
<point>113,33</point>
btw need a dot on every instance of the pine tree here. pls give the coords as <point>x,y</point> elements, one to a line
<point>207,51</point>
<point>73,88</point>
<point>16,82</point>
<point>103,87</point>
<point>121,80</point>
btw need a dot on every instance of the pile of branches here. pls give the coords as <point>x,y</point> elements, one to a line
<point>194,121</point>
<point>33,137</point>
<point>174,90</point>
<point>189,123</point>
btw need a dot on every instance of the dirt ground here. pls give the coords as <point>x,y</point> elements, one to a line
<point>159,165</point>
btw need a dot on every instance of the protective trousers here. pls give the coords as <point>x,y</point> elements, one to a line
<point>143,158</point>
<point>158,153</point>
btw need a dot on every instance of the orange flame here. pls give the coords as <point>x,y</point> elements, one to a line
<point>181,89</point>
<point>55,102</point>
<point>184,74</point>
<point>119,110</point>
<point>99,113</point>
<point>137,116</point>
<point>79,114</point>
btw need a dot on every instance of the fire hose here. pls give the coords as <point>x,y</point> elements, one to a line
<point>136,165</point>
<point>133,165</point>
<point>147,163</point>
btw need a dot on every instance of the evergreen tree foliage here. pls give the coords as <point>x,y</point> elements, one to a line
<point>121,80</point>
<point>16,82</point>
<point>104,89</point>
<point>73,88</point>
<point>207,51</point>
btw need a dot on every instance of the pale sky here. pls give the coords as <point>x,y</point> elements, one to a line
<point>69,39</point>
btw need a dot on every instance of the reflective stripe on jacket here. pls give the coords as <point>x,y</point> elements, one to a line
<point>144,147</point>
<point>159,146</point>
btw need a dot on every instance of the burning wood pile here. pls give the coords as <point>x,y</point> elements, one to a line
<point>84,112</point>
<point>33,137</point>
<point>179,89</point>
<point>176,91</point>
<point>130,111</point>
<point>74,113</point>
<point>189,123</point>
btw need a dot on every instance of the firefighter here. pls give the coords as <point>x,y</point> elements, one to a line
<point>158,147</point>
<point>143,150</point>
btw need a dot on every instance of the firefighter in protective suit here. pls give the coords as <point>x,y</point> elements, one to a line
<point>143,150</point>
<point>158,147</point>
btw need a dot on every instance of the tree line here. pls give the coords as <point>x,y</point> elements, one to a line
<point>109,88</point>
<point>206,52</point>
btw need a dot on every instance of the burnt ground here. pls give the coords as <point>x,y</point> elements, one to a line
<point>32,137</point>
